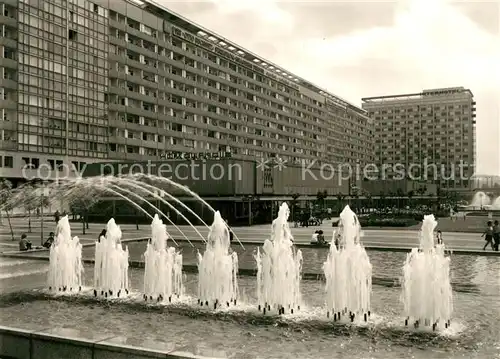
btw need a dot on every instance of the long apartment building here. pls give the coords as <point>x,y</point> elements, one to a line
<point>435,126</point>
<point>88,81</point>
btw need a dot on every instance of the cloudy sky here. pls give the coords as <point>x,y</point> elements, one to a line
<point>368,48</point>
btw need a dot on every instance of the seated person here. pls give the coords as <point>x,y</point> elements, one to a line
<point>338,237</point>
<point>314,238</point>
<point>102,236</point>
<point>24,244</point>
<point>321,238</point>
<point>49,241</point>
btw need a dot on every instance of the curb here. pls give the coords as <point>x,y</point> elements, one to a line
<point>297,245</point>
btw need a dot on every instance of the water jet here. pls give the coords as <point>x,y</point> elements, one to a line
<point>348,271</point>
<point>162,264</point>
<point>426,290</point>
<point>218,266</point>
<point>279,266</point>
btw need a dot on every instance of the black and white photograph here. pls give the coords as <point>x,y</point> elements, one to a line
<point>249,179</point>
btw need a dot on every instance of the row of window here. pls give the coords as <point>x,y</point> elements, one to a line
<point>51,123</point>
<point>437,150</point>
<point>39,80</point>
<point>7,161</point>
<point>95,75</point>
<point>55,10</point>
<point>35,163</point>
<point>419,108</point>
<point>59,142</point>
<point>220,62</point>
<point>59,151</point>
<point>288,103</point>
<point>227,112</point>
<point>82,114</point>
<point>438,139</point>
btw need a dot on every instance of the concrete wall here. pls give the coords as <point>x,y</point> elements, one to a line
<point>60,343</point>
<point>303,180</point>
<point>224,177</point>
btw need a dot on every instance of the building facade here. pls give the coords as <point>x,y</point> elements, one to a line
<point>112,80</point>
<point>431,136</point>
<point>242,190</point>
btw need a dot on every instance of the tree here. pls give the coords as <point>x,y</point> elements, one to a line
<point>410,196</point>
<point>321,196</point>
<point>82,200</point>
<point>28,200</point>
<point>340,198</point>
<point>319,206</point>
<point>452,198</point>
<point>421,190</point>
<point>33,199</point>
<point>381,200</point>
<point>5,196</point>
<point>367,194</point>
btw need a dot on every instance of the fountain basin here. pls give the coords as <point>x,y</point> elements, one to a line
<point>236,334</point>
<point>386,266</point>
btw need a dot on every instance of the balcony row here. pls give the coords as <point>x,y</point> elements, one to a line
<point>138,81</point>
<point>142,112</point>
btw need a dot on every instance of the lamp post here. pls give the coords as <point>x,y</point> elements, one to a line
<point>44,192</point>
<point>41,218</point>
<point>249,198</point>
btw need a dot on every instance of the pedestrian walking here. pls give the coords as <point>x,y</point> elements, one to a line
<point>439,237</point>
<point>488,236</point>
<point>496,236</point>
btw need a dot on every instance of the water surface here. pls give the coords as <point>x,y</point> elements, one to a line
<point>474,333</point>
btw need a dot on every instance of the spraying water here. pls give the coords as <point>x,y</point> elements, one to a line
<point>65,266</point>
<point>218,268</point>
<point>111,263</point>
<point>480,199</point>
<point>427,295</point>
<point>496,204</point>
<point>279,268</point>
<point>163,265</point>
<point>348,271</point>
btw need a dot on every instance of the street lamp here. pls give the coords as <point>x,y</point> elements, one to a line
<point>249,198</point>
<point>45,192</point>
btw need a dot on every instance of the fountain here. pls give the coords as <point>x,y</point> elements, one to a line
<point>162,266</point>
<point>480,200</point>
<point>65,260</point>
<point>111,263</point>
<point>426,290</point>
<point>279,269</point>
<point>348,272</point>
<point>218,268</point>
<point>496,204</point>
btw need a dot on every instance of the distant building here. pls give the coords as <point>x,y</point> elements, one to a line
<point>420,129</point>
<point>114,80</point>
